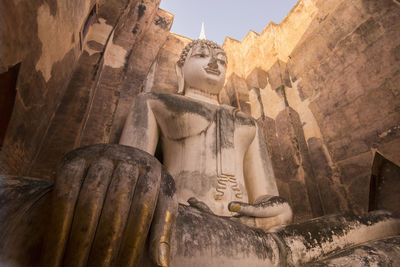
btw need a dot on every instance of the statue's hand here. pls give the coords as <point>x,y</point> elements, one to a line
<point>200,205</point>
<point>269,212</point>
<point>104,201</point>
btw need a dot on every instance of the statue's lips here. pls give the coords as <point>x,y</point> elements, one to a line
<point>213,71</point>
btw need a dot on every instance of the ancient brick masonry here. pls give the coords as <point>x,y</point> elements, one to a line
<point>323,84</point>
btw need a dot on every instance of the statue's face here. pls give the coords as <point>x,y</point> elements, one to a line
<point>205,69</point>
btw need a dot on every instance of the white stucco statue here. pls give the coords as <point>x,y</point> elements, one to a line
<point>215,152</point>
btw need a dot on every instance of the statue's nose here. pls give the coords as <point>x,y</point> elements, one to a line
<point>213,63</point>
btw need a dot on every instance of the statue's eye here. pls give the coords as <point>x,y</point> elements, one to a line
<point>201,54</point>
<point>222,59</point>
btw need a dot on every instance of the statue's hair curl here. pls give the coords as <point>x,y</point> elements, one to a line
<point>193,43</point>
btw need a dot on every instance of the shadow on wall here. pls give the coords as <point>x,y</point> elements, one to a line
<point>385,185</point>
<point>8,81</point>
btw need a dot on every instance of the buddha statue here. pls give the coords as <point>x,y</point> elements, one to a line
<point>215,153</point>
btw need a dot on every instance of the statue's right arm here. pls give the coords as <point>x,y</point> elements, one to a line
<point>141,130</point>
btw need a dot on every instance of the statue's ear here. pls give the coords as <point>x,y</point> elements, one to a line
<point>181,80</point>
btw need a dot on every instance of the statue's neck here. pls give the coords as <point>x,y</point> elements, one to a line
<point>201,95</point>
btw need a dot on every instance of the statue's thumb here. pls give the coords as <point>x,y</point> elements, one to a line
<point>246,209</point>
<point>236,206</point>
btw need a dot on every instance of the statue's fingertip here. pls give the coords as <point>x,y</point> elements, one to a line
<point>163,255</point>
<point>235,207</point>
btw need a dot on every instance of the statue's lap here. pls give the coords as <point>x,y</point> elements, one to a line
<point>203,239</point>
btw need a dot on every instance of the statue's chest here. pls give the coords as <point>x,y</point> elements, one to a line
<point>179,120</point>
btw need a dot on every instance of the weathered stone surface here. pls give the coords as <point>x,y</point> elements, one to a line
<point>357,171</point>
<point>295,245</point>
<point>139,62</point>
<point>383,252</point>
<point>330,192</point>
<point>296,165</point>
<point>17,194</point>
<point>44,37</point>
<point>162,75</point>
<point>257,79</point>
<point>384,190</point>
<point>320,237</point>
<point>69,117</point>
<point>199,238</point>
<point>353,90</point>
<point>102,201</point>
<point>22,218</point>
<point>86,112</point>
<point>8,80</point>
<point>237,92</point>
<point>209,240</point>
<point>336,67</point>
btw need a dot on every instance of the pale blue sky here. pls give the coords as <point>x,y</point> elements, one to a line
<point>223,18</point>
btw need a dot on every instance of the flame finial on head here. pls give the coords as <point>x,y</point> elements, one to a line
<point>202,35</point>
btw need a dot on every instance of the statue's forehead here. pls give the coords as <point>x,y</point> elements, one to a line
<point>205,45</point>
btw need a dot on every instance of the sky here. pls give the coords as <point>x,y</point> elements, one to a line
<point>223,18</point>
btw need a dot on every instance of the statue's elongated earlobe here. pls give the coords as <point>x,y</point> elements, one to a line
<point>181,80</point>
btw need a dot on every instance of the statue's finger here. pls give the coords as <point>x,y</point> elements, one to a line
<point>140,215</point>
<point>65,193</point>
<point>87,212</point>
<point>236,206</point>
<point>249,221</point>
<point>273,207</point>
<point>200,205</point>
<point>164,221</point>
<point>114,215</point>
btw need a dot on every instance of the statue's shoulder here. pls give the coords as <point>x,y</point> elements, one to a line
<point>163,97</point>
<point>179,104</point>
